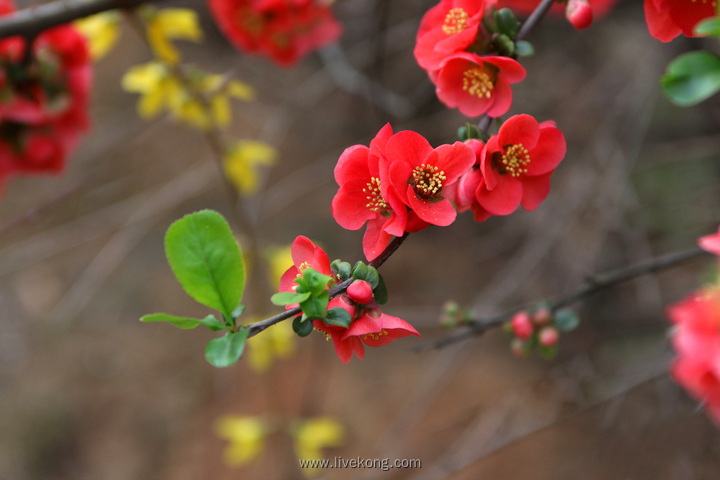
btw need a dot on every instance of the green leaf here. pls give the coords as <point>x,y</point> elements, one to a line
<point>185,323</point>
<point>288,298</point>
<point>314,307</point>
<point>359,271</point>
<point>692,77</point>
<point>506,22</point>
<point>341,269</point>
<point>302,328</point>
<point>380,292</point>
<point>709,26</point>
<point>206,260</point>
<point>226,350</point>
<point>315,281</point>
<point>338,316</point>
<point>238,311</point>
<point>548,353</point>
<point>523,48</point>
<point>566,320</point>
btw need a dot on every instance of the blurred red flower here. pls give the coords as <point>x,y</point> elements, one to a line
<point>666,19</point>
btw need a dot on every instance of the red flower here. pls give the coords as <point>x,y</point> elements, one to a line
<point>364,195</point>
<point>420,174</point>
<point>447,28</point>
<point>477,85</point>
<point>711,243</point>
<point>284,30</point>
<point>462,192</point>
<point>44,104</point>
<point>696,339</point>
<point>666,19</point>
<point>517,163</point>
<point>304,254</point>
<point>344,347</point>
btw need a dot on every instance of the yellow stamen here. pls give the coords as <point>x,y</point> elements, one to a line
<point>455,21</point>
<point>477,82</point>
<point>428,181</point>
<point>515,159</point>
<point>376,202</point>
<point>376,336</point>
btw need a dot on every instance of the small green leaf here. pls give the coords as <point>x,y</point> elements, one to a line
<point>314,307</point>
<point>289,298</point>
<point>523,48</point>
<point>226,350</point>
<point>315,281</point>
<point>338,316</point>
<point>206,260</point>
<point>341,269</point>
<point>359,271</point>
<point>504,45</point>
<point>692,77</point>
<point>302,328</point>
<point>566,320</point>
<point>507,22</point>
<point>185,323</point>
<point>709,26</point>
<point>238,311</point>
<point>380,292</point>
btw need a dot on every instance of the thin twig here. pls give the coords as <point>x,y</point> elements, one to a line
<point>593,285</point>
<point>534,19</point>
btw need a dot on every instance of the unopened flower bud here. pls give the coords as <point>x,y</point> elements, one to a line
<point>548,337</point>
<point>519,348</point>
<point>360,291</point>
<point>522,325</point>
<point>579,13</point>
<point>542,317</point>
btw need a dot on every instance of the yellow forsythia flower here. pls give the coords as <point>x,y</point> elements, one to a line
<point>277,341</point>
<point>101,30</point>
<point>169,24</point>
<point>241,163</point>
<point>158,89</point>
<point>246,436</point>
<point>314,434</point>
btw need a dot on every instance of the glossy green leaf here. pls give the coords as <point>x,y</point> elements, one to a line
<point>338,316</point>
<point>380,292</point>
<point>226,350</point>
<point>341,269</point>
<point>314,307</point>
<point>507,22</point>
<point>288,298</point>
<point>692,77</point>
<point>315,282</point>
<point>185,323</point>
<point>523,48</point>
<point>302,328</point>
<point>206,260</point>
<point>709,26</point>
<point>566,320</point>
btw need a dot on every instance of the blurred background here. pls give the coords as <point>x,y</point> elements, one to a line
<point>88,392</point>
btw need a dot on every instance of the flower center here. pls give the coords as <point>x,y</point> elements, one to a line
<point>455,21</point>
<point>515,159</point>
<point>376,202</point>
<point>376,335</point>
<point>427,181</point>
<point>477,82</point>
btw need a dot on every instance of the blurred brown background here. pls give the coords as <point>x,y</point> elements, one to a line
<point>88,392</point>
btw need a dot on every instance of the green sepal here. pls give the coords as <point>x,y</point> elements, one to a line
<point>504,45</point>
<point>566,320</point>
<point>184,322</point>
<point>523,48</point>
<point>314,307</point>
<point>692,78</point>
<point>283,299</point>
<point>302,328</point>
<point>380,293</point>
<point>226,350</point>
<point>339,317</point>
<point>343,270</point>
<point>507,22</point>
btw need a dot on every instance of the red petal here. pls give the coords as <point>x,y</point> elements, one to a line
<point>504,199</point>
<point>489,174</point>
<point>454,160</point>
<point>409,147</point>
<point>352,164</point>
<point>519,129</point>
<point>375,239</point>
<point>349,206</point>
<point>501,99</point>
<point>440,213</point>
<point>535,190</point>
<point>548,153</point>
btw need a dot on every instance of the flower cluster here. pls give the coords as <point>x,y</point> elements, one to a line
<point>43,98</point>
<point>400,184</point>
<point>284,30</point>
<point>456,50</point>
<point>696,339</point>
<point>368,324</point>
<point>666,19</point>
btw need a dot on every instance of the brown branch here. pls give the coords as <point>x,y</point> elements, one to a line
<point>33,20</point>
<point>534,19</point>
<point>593,285</point>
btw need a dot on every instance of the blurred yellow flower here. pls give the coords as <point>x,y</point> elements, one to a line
<point>279,259</point>
<point>167,24</point>
<point>246,436</point>
<point>277,341</point>
<point>158,89</point>
<point>101,30</point>
<point>314,434</point>
<point>241,164</point>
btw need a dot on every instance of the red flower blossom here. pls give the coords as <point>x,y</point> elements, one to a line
<point>420,174</point>
<point>44,104</point>
<point>666,19</point>
<point>447,28</point>
<point>477,85</point>
<point>696,339</point>
<point>517,163</point>
<point>304,254</point>
<point>284,30</point>
<point>711,243</point>
<point>364,195</point>
<point>462,192</point>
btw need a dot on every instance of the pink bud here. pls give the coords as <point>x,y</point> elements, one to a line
<point>360,291</point>
<point>542,317</point>
<point>579,13</point>
<point>522,325</point>
<point>548,336</point>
